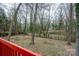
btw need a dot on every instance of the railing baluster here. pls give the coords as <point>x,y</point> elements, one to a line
<point>0,49</point>
<point>7,51</point>
<point>20,54</point>
<point>12,52</point>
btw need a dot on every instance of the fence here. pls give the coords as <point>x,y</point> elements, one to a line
<point>10,49</point>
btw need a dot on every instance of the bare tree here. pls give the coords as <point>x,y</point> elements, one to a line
<point>77,38</point>
<point>69,22</point>
<point>48,22</point>
<point>33,24</point>
<point>70,27</point>
<point>12,19</point>
<point>25,21</point>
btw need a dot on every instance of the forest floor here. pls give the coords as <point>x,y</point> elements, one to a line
<point>45,46</point>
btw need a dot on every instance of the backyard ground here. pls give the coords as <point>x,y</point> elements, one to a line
<point>44,46</point>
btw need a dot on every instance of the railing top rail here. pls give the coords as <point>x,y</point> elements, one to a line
<point>20,49</point>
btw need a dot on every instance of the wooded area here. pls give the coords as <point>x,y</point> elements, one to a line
<point>41,22</point>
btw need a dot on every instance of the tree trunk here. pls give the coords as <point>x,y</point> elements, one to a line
<point>34,21</point>
<point>10,30</point>
<point>31,19</point>
<point>25,25</point>
<point>70,27</point>
<point>77,38</point>
<point>48,24</point>
<point>13,18</point>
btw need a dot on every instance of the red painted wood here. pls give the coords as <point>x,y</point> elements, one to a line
<point>10,49</point>
<point>0,50</point>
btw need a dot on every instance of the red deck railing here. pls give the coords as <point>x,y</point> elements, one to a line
<point>10,49</point>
